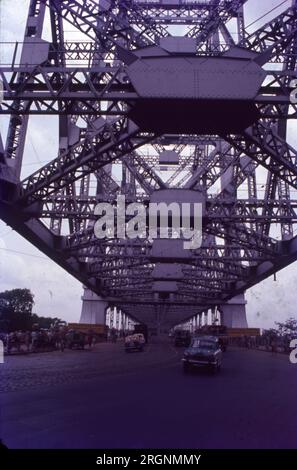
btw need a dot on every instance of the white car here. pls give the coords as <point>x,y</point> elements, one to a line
<point>134,342</point>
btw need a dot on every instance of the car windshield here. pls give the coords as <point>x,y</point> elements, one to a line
<point>203,344</point>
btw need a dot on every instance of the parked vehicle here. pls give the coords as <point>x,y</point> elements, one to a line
<point>182,338</point>
<point>75,340</point>
<point>219,331</point>
<point>134,342</point>
<point>203,351</point>
<point>100,331</point>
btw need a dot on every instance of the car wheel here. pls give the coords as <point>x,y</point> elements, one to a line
<point>186,368</point>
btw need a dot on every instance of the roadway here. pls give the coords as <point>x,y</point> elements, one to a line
<point>108,399</point>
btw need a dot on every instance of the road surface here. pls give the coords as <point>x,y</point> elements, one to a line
<point>106,398</point>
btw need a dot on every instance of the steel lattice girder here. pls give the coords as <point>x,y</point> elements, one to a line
<point>217,209</point>
<point>97,81</point>
<point>44,88</point>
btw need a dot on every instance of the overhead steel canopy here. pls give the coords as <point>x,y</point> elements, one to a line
<point>165,92</point>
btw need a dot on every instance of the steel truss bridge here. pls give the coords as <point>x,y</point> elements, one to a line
<point>183,100</point>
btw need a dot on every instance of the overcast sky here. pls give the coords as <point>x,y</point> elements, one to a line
<point>56,292</point>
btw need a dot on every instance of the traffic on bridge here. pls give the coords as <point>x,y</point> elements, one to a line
<point>148,160</point>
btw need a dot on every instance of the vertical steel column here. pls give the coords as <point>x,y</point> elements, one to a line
<point>59,60</point>
<point>282,186</point>
<point>18,125</point>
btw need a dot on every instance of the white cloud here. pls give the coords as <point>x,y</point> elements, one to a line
<point>56,292</point>
<point>271,300</point>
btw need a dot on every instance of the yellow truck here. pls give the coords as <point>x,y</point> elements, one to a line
<point>100,331</point>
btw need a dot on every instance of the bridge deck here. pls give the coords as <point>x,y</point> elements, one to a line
<point>106,398</point>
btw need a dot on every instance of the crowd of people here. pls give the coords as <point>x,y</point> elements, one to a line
<point>58,337</point>
<point>54,338</point>
<point>265,342</point>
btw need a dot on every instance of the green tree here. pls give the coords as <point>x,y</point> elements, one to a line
<point>289,327</point>
<point>17,300</point>
<point>44,322</point>
<point>16,309</point>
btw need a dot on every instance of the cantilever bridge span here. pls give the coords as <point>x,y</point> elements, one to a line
<point>169,100</point>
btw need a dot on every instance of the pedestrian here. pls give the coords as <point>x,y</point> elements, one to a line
<point>113,335</point>
<point>28,340</point>
<point>90,339</point>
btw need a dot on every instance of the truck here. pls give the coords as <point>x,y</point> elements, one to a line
<point>225,334</point>
<point>182,338</point>
<point>100,331</point>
